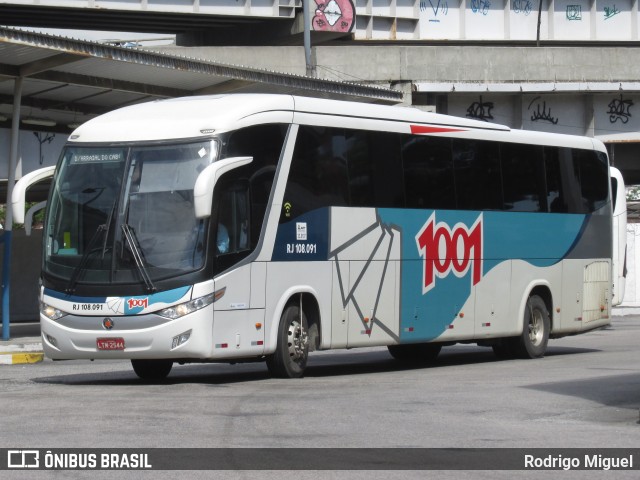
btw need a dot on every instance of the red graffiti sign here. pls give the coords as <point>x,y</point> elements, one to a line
<point>334,16</point>
<point>447,250</point>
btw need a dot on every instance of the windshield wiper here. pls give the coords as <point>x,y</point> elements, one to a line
<point>130,236</point>
<point>82,265</point>
<point>107,226</point>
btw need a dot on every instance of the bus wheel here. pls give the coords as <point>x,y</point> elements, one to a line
<point>535,334</point>
<point>415,352</point>
<point>290,358</point>
<point>152,369</point>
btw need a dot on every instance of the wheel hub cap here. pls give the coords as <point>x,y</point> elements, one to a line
<point>536,328</point>
<point>297,341</point>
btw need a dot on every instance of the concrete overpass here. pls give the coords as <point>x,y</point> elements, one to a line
<point>591,90</point>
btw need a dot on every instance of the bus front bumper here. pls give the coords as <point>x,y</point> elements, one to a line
<point>128,337</point>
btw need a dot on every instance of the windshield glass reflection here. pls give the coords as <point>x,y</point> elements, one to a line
<point>99,193</point>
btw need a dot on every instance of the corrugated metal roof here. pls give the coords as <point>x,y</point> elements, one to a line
<point>67,78</point>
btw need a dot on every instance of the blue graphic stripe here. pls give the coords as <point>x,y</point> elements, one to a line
<point>541,240</point>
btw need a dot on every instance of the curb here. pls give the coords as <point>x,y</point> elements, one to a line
<point>21,354</point>
<point>20,358</point>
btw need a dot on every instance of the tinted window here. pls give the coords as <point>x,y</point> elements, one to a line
<point>338,167</point>
<point>318,176</point>
<point>557,201</point>
<point>477,174</point>
<point>374,169</point>
<point>522,176</point>
<point>263,143</point>
<point>593,172</point>
<point>428,172</point>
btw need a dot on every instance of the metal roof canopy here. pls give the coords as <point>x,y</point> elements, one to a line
<point>69,81</point>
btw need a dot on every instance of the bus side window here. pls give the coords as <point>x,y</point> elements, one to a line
<point>232,225</point>
<point>264,144</point>
<point>592,169</point>
<point>318,176</point>
<point>522,177</point>
<point>428,172</point>
<point>556,198</point>
<point>477,172</point>
<point>375,169</point>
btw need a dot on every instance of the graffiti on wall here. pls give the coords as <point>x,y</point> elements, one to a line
<point>481,6</point>
<point>610,12</point>
<point>522,6</point>
<point>439,7</point>
<point>550,113</point>
<point>480,110</point>
<point>540,112</point>
<point>574,13</point>
<point>619,109</point>
<point>334,16</point>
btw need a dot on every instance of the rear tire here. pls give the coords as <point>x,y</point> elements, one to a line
<point>152,369</point>
<point>535,333</point>
<point>419,353</point>
<point>292,351</point>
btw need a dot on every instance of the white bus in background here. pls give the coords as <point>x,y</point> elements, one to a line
<point>619,199</point>
<point>238,227</point>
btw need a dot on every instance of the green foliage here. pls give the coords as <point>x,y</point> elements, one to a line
<point>38,218</point>
<point>633,193</point>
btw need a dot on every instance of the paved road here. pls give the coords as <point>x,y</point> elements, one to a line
<point>584,393</point>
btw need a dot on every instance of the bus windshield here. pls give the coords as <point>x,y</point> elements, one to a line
<point>125,215</point>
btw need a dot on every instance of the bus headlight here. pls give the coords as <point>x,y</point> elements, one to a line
<point>50,312</point>
<point>186,308</point>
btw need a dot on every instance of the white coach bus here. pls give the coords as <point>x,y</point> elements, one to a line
<point>238,227</point>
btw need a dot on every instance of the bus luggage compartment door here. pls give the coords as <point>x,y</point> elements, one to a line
<point>596,304</point>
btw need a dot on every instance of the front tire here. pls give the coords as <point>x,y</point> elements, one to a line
<point>292,351</point>
<point>152,370</point>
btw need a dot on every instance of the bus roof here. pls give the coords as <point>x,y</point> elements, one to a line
<point>188,117</point>
<point>200,116</point>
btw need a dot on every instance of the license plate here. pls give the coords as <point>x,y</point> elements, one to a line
<point>110,343</point>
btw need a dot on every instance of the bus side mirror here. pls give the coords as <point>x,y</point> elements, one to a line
<point>206,182</point>
<point>20,190</point>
